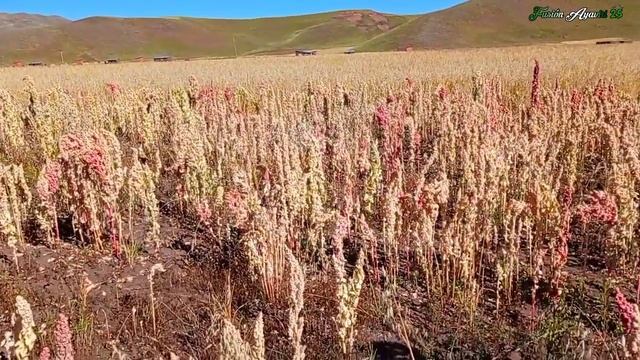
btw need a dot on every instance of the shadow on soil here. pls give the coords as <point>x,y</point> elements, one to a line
<point>385,350</point>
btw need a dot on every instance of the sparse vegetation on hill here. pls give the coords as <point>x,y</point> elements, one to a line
<point>101,37</point>
<point>489,23</point>
<point>476,23</point>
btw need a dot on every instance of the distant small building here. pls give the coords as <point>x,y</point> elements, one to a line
<point>162,58</point>
<point>37,63</point>
<point>306,52</point>
<point>18,64</point>
<point>350,51</point>
<point>111,61</point>
<point>603,42</point>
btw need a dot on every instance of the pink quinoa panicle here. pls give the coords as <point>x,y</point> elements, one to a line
<point>628,313</point>
<point>382,116</point>
<point>535,85</point>
<point>64,341</point>
<point>45,354</point>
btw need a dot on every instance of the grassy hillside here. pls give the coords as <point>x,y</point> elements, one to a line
<point>476,23</point>
<point>485,23</point>
<point>127,38</point>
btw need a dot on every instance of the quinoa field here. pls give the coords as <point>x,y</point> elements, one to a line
<point>452,204</point>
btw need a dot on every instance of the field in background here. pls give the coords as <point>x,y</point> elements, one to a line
<point>478,203</point>
<point>570,64</point>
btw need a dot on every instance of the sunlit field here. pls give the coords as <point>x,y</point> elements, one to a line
<point>572,65</point>
<point>450,204</point>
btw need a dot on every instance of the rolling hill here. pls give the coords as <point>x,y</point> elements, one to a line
<point>488,23</point>
<point>22,21</point>
<point>475,23</point>
<point>128,38</point>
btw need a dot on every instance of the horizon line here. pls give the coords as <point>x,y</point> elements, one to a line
<point>224,18</point>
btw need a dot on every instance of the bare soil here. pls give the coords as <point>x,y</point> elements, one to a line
<point>194,291</point>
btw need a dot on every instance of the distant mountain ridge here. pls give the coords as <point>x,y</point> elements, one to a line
<point>24,21</point>
<point>475,23</point>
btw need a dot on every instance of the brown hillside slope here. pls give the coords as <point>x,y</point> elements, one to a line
<point>128,38</point>
<point>486,23</point>
<point>476,23</point>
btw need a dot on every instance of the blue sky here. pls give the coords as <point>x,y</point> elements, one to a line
<point>76,9</point>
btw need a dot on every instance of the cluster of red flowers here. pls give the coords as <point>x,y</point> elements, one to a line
<point>382,116</point>
<point>88,155</point>
<point>51,185</point>
<point>63,341</point>
<point>628,312</point>
<point>113,88</point>
<point>600,207</point>
<point>576,101</point>
<point>91,152</point>
<point>45,354</point>
<point>206,93</point>
<point>94,158</point>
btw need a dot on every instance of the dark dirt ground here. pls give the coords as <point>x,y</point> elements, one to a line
<point>191,294</point>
